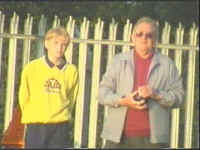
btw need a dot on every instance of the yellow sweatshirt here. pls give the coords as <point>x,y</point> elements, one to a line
<point>47,94</point>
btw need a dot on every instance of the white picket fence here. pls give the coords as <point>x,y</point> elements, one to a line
<point>87,102</point>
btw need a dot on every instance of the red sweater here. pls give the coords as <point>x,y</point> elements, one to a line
<point>137,121</point>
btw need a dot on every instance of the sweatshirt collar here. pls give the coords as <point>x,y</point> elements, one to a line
<point>51,65</point>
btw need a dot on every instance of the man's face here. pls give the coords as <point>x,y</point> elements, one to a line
<point>144,38</point>
<point>56,46</point>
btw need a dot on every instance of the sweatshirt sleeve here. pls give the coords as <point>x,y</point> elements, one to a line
<point>24,89</point>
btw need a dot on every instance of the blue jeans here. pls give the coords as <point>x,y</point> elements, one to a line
<point>47,136</point>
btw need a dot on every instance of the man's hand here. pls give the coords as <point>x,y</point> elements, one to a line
<point>146,92</point>
<point>130,102</point>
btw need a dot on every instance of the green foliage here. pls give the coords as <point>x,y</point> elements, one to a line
<point>160,10</point>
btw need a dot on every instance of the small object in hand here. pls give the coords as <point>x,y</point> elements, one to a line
<point>137,97</point>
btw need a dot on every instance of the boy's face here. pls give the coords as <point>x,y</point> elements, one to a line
<point>56,46</point>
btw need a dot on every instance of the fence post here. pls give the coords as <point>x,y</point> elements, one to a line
<point>10,92</point>
<point>27,42</point>
<point>80,99</point>
<point>70,29</point>
<point>127,34</point>
<point>176,112</point>
<point>56,22</point>
<point>2,18</point>
<point>166,37</point>
<point>190,88</point>
<point>112,36</point>
<point>41,32</point>
<point>93,119</point>
<point>111,53</point>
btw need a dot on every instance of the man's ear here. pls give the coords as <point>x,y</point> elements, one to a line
<point>133,38</point>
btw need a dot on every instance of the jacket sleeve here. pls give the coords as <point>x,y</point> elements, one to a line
<point>24,89</point>
<point>107,89</point>
<point>172,97</point>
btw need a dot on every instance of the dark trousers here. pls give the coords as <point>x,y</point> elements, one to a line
<point>134,142</point>
<point>47,136</point>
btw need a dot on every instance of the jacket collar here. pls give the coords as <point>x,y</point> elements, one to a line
<point>129,57</point>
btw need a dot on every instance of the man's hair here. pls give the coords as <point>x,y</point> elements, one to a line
<point>57,31</point>
<point>150,21</point>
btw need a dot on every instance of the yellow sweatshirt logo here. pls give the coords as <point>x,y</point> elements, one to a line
<point>52,86</point>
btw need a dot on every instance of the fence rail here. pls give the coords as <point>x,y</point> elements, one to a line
<point>87,54</point>
<point>103,41</point>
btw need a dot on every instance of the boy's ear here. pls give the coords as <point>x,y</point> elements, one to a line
<point>45,44</point>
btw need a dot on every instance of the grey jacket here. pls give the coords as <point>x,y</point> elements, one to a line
<point>118,81</point>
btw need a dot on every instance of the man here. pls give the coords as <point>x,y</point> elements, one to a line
<point>140,87</point>
<point>48,90</point>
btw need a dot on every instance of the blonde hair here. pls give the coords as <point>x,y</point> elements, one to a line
<point>57,31</point>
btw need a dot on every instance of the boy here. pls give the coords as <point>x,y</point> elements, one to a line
<point>47,94</point>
